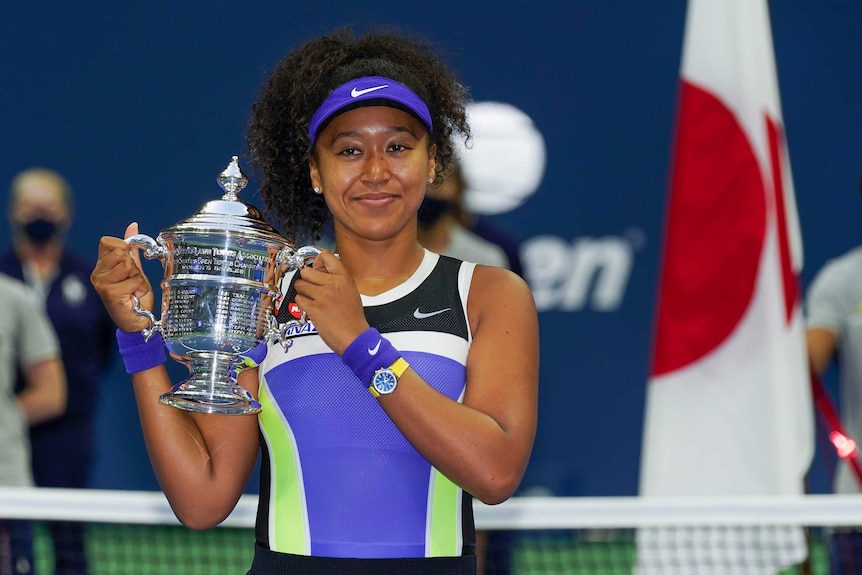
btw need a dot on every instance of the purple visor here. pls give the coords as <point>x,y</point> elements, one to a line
<point>368,88</point>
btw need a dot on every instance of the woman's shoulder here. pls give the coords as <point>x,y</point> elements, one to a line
<point>16,299</point>
<point>13,288</point>
<point>500,304</point>
<point>491,282</point>
<point>843,267</point>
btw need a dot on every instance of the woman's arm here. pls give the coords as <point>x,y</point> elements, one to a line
<point>44,395</point>
<point>202,461</point>
<point>822,344</point>
<point>484,444</point>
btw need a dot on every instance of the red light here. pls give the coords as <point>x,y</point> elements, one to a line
<point>843,444</point>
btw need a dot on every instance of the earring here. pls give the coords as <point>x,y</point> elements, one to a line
<point>430,180</point>
<point>316,190</point>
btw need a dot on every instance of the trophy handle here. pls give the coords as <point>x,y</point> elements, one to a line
<point>155,325</point>
<point>151,249</point>
<point>290,259</point>
<point>277,333</point>
<point>296,259</point>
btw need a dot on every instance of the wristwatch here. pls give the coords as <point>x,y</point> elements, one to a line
<point>386,378</point>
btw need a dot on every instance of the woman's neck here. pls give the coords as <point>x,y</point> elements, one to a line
<point>377,267</point>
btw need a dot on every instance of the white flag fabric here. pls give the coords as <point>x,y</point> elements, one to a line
<point>728,405</point>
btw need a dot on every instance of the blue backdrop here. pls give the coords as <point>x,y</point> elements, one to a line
<point>141,105</point>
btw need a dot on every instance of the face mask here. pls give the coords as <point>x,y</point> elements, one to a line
<point>40,231</point>
<point>431,210</point>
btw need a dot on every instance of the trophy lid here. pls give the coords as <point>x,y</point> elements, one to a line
<point>228,213</point>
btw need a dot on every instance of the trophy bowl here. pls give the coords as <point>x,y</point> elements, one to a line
<point>222,267</point>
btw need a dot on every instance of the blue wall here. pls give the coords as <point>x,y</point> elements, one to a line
<point>141,105</point>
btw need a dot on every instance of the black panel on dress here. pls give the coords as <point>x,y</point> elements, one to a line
<point>261,524</point>
<point>434,306</point>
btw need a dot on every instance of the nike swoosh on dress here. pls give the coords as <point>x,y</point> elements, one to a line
<point>420,315</point>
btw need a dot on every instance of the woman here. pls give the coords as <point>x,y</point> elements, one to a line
<point>417,386</point>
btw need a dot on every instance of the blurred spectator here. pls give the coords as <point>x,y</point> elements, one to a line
<point>483,227</point>
<point>834,336</point>
<point>441,230</point>
<point>41,213</point>
<point>502,167</point>
<point>28,345</point>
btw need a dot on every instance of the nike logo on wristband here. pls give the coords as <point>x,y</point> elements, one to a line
<point>422,315</point>
<point>373,350</point>
<point>354,93</point>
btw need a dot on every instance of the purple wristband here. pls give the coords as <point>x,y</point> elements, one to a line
<point>139,355</point>
<point>367,353</point>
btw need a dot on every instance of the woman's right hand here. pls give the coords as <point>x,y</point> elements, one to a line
<point>117,277</point>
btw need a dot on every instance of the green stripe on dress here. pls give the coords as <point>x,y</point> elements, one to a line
<point>288,518</point>
<point>446,536</point>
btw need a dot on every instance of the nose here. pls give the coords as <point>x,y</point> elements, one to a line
<point>376,169</point>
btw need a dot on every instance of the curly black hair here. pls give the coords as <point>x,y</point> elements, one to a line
<point>277,139</point>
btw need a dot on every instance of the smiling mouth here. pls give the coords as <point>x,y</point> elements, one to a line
<point>375,197</point>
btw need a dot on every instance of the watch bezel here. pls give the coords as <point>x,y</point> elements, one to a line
<point>395,371</point>
<point>382,379</point>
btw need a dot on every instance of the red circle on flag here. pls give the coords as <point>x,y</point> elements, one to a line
<point>715,231</point>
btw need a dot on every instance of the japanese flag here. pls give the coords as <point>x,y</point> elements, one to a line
<point>728,405</point>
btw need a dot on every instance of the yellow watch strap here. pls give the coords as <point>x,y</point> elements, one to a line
<point>399,366</point>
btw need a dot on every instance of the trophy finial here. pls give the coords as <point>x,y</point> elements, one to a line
<point>232,180</point>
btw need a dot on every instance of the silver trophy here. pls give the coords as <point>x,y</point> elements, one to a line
<point>222,269</point>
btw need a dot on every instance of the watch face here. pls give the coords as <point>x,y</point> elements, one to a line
<point>384,381</point>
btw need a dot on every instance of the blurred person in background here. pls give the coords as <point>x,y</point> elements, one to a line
<point>501,168</point>
<point>441,229</point>
<point>40,214</point>
<point>28,346</point>
<point>489,231</point>
<point>834,336</point>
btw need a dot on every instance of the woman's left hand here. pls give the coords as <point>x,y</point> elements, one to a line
<point>330,298</point>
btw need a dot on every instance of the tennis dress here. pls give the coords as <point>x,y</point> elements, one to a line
<point>338,478</point>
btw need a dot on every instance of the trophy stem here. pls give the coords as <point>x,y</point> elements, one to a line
<point>210,387</point>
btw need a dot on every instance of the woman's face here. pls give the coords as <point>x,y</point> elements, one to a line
<point>372,164</point>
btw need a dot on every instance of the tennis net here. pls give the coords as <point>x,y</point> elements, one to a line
<point>136,533</point>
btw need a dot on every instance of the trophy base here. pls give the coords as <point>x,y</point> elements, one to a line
<point>192,396</point>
